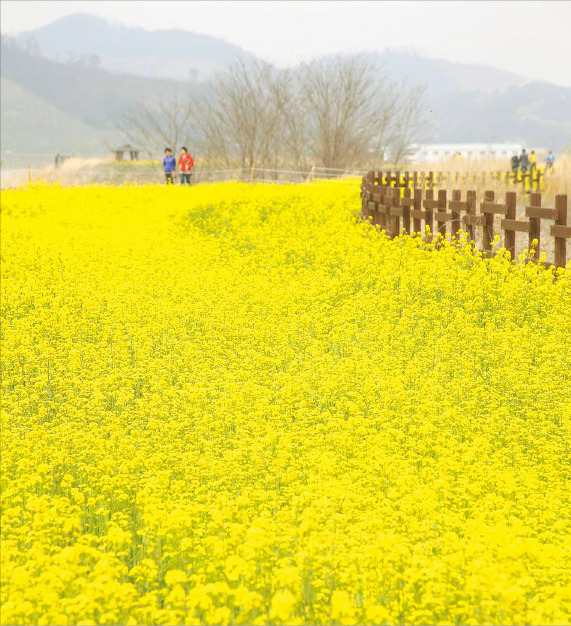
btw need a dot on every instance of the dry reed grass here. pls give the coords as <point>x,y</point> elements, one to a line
<point>556,181</point>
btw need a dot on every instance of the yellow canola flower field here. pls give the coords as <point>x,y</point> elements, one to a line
<point>237,404</point>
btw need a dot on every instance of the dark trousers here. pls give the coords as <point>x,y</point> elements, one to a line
<point>185,178</point>
<point>168,176</point>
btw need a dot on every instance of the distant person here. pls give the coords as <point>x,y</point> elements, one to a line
<point>549,160</point>
<point>532,161</point>
<point>169,165</point>
<point>185,163</point>
<point>523,161</point>
<point>515,163</point>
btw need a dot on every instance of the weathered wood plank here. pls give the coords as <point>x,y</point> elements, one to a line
<point>515,226</point>
<point>540,212</point>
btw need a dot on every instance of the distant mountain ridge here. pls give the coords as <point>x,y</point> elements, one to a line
<point>465,103</point>
<point>443,77</point>
<point>171,54</point>
<point>174,54</point>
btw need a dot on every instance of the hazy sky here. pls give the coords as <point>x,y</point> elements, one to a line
<point>532,39</point>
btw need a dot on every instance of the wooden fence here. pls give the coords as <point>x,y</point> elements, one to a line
<point>528,181</point>
<point>395,207</point>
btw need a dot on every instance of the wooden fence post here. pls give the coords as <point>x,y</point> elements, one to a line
<point>455,222</point>
<point>415,179</point>
<point>431,180</point>
<point>488,225</point>
<point>388,206</point>
<point>442,209</point>
<point>429,218</point>
<point>375,207</point>
<point>406,209</point>
<point>382,208</point>
<point>397,208</point>
<point>471,214</point>
<point>534,225</point>
<point>561,231</point>
<point>511,225</point>
<point>509,236</point>
<point>416,223</point>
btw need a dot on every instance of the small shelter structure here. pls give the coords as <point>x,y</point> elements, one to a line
<point>60,159</point>
<point>131,150</point>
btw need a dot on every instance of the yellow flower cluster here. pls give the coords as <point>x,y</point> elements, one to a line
<point>238,404</point>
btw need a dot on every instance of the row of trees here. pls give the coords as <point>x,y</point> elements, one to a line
<point>336,112</point>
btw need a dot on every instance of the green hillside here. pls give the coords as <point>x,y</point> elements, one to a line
<point>90,93</point>
<point>68,107</point>
<point>32,126</point>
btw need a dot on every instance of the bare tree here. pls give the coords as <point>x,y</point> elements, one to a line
<point>291,136</point>
<point>341,106</point>
<point>337,112</point>
<point>333,111</point>
<point>385,126</point>
<point>349,112</point>
<point>410,122</point>
<point>240,119</point>
<point>152,126</point>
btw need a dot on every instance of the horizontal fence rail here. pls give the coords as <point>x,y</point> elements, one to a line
<point>264,174</point>
<point>524,181</point>
<point>422,211</point>
<point>528,180</point>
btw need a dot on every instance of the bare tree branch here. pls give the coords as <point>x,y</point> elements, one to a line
<point>152,126</point>
<point>337,112</point>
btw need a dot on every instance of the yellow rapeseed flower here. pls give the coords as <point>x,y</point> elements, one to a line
<point>241,404</point>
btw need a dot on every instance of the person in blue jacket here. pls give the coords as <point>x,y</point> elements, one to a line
<point>169,165</point>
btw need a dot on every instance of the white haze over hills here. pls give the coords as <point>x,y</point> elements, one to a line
<point>89,70</point>
<point>524,37</point>
<point>178,54</point>
<point>174,54</point>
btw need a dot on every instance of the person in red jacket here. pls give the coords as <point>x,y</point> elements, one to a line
<point>185,163</point>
